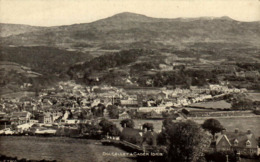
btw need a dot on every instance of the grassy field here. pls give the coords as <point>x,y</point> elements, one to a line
<point>213,105</point>
<point>18,94</point>
<point>242,123</point>
<point>254,96</point>
<point>58,148</point>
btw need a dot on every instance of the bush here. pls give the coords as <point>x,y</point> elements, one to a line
<point>220,156</point>
<point>129,123</point>
<point>257,112</point>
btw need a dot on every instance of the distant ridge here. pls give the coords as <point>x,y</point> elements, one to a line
<point>128,29</point>
<point>15,29</point>
<point>128,16</point>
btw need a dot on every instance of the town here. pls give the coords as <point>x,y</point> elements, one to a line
<point>130,116</point>
<point>128,81</point>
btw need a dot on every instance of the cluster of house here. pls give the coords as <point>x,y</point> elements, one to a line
<point>143,136</point>
<point>241,142</point>
<point>183,97</point>
<point>138,138</point>
<point>74,96</point>
<point>227,67</point>
<point>247,74</point>
<point>52,104</point>
<point>23,117</point>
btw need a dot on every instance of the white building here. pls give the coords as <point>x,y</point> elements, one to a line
<point>150,109</point>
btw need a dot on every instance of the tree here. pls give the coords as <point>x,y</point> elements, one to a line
<point>242,105</point>
<point>101,106</point>
<point>109,127</point>
<point>167,122</point>
<point>165,114</point>
<point>114,131</point>
<point>97,111</point>
<point>213,126</point>
<point>104,123</point>
<point>14,127</point>
<point>91,129</point>
<point>162,137</point>
<point>113,111</point>
<point>129,123</point>
<point>186,142</point>
<point>258,141</point>
<point>221,156</point>
<point>70,114</point>
<point>148,126</point>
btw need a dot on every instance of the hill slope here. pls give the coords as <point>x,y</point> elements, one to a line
<point>16,29</point>
<point>140,50</point>
<point>45,60</point>
<point>15,77</point>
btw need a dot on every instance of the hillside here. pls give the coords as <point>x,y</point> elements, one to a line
<point>8,67</point>
<point>14,77</point>
<point>136,50</point>
<point>45,60</point>
<point>16,29</point>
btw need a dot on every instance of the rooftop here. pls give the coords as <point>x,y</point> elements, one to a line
<point>240,137</point>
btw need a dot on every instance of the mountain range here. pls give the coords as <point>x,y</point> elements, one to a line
<point>129,30</point>
<point>130,48</point>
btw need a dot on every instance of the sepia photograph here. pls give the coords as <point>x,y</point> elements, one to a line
<point>129,80</point>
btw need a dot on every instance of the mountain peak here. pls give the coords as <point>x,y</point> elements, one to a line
<point>129,16</point>
<point>226,18</point>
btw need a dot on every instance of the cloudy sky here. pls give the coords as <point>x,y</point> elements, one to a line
<point>64,12</point>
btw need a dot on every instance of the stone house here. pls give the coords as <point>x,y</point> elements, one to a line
<point>243,142</point>
<point>21,117</point>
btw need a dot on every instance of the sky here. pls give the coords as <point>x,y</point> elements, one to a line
<point>65,12</point>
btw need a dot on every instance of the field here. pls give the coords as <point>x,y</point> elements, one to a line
<point>242,123</point>
<point>17,94</point>
<point>213,105</point>
<point>57,148</point>
<point>254,96</point>
<point>143,90</point>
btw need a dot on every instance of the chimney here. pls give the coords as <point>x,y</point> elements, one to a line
<point>236,130</point>
<point>163,128</point>
<point>223,131</point>
<point>249,131</point>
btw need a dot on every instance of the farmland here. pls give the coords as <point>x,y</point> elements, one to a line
<point>242,123</point>
<point>212,105</point>
<point>60,149</point>
<point>18,94</point>
<point>254,96</point>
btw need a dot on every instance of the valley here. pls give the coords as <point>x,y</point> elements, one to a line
<point>85,80</point>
